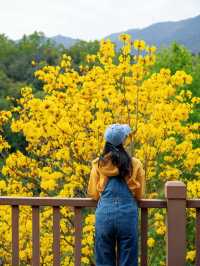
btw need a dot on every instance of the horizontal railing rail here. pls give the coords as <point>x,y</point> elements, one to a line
<point>73,202</point>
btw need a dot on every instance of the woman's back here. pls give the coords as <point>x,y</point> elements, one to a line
<point>100,173</point>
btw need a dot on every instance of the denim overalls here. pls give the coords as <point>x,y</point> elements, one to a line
<point>116,220</point>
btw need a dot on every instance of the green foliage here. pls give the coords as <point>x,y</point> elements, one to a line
<point>177,57</point>
<point>17,140</point>
<point>16,58</point>
<point>79,51</point>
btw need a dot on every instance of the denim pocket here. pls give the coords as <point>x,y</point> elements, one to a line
<point>128,222</point>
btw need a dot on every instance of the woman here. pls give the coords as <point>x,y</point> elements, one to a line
<point>117,181</point>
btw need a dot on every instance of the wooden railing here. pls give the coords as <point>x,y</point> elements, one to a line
<point>175,202</point>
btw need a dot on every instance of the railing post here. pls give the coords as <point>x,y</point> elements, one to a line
<point>78,235</point>
<point>175,193</point>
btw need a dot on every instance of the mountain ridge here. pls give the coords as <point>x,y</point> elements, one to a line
<point>185,32</point>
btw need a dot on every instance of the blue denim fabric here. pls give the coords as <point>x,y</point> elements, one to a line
<point>116,223</point>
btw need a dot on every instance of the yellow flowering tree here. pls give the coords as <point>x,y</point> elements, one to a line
<point>64,132</point>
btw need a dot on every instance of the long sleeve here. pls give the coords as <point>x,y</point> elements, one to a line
<point>92,184</point>
<point>140,177</point>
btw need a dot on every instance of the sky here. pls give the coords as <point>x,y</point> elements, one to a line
<point>89,19</point>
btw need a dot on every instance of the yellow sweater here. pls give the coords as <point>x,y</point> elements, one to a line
<point>99,177</point>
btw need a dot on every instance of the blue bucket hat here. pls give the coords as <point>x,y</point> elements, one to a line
<point>116,133</point>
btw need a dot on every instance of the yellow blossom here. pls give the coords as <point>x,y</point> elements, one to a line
<point>151,242</point>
